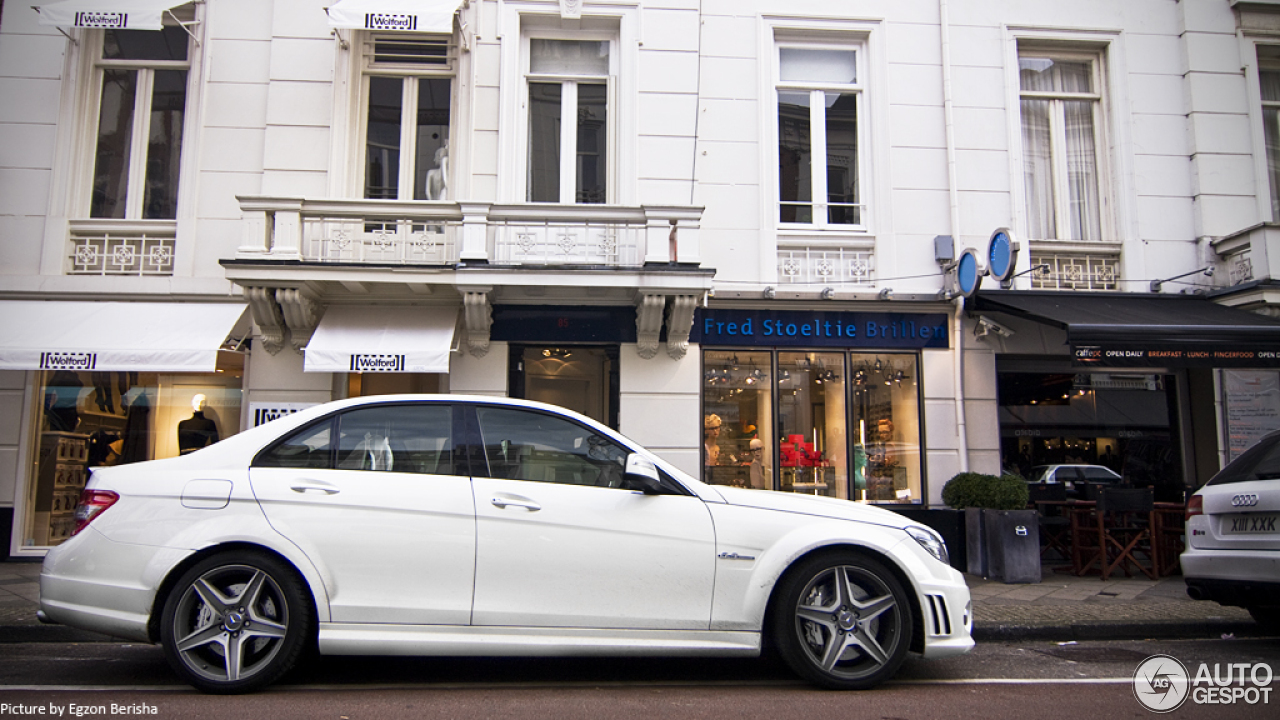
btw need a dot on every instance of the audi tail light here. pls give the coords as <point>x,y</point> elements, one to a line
<point>1195,506</point>
<point>92,504</point>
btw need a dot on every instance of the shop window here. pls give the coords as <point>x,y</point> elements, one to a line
<point>407,103</point>
<point>1061,116</point>
<point>94,419</point>
<point>525,445</point>
<point>569,120</point>
<point>738,444</point>
<point>843,425</point>
<point>141,117</point>
<point>818,107</point>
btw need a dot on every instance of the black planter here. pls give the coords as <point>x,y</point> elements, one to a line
<point>1012,539</point>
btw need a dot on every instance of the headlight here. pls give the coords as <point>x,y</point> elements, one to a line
<point>931,541</point>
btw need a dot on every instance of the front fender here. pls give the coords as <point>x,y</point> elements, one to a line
<point>755,547</point>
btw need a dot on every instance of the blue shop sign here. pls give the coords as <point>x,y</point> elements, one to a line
<point>799,328</point>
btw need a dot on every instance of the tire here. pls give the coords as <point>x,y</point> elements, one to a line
<point>852,600</point>
<point>1267,616</point>
<point>246,606</point>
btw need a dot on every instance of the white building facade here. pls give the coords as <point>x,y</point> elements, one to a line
<point>218,211</point>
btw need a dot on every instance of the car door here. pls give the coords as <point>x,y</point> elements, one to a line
<point>372,497</point>
<point>561,543</point>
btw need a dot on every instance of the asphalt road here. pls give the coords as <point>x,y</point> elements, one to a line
<point>1018,680</point>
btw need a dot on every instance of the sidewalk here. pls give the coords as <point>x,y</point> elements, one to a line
<point>1061,607</point>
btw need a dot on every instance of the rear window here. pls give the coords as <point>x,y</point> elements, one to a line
<point>1260,462</point>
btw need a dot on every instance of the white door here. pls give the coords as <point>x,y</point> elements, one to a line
<point>560,542</point>
<point>371,498</point>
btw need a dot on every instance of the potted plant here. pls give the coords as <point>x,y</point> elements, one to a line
<point>1002,536</point>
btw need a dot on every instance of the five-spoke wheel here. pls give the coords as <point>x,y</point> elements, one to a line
<point>842,621</point>
<point>235,622</point>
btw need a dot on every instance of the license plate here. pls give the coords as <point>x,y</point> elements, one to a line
<point>1250,524</point>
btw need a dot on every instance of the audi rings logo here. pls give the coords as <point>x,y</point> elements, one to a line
<point>1248,500</point>
<point>1161,683</point>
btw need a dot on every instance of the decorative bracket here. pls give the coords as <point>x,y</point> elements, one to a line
<point>267,315</point>
<point>649,324</point>
<point>679,324</point>
<point>302,313</point>
<point>477,315</point>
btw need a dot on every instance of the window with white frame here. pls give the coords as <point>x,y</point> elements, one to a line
<point>407,101</point>
<point>1269,79</point>
<point>141,113</point>
<point>1062,119</point>
<point>819,99</point>
<point>569,91</point>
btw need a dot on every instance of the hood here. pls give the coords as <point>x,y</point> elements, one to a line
<point>815,505</point>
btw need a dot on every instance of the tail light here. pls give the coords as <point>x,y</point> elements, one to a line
<point>1195,506</point>
<point>92,504</point>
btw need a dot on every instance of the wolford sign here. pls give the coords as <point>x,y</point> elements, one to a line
<point>791,328</point>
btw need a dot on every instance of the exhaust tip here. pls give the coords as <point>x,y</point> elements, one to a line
<point>44,618</point>
<point>1196,593</point>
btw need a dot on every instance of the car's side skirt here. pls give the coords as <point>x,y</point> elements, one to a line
<point>461,641</point>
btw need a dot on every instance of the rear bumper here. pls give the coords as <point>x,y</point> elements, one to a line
<point>1237,577</point>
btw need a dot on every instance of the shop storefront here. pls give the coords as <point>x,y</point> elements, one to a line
<point>817,402</point>
<point>115,383</point>
<point>1163,390</point>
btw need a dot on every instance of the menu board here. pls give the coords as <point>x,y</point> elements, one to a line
<point>1253,407</point>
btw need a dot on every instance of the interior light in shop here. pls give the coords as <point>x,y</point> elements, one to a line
<point>878,367</point>
<point>784,375</point>
<point>899,377</point>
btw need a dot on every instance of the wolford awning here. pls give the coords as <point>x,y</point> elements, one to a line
<point>116,14</point>
<point>382,339</point>
<point>433,16</point>
<point>114,336</point>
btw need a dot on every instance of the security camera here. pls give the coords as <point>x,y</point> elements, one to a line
<point>986,326</point>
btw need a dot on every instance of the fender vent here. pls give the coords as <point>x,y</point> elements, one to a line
<point>939,618</point>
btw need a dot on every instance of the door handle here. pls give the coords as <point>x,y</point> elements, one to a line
<point>304,487</point>
<point>527,504</point>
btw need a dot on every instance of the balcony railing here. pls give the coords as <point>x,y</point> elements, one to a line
<point>440,233</point>
<point>823,265</point>
<point>121,247</point>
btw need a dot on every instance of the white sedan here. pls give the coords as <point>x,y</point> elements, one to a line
<point>464,526</point>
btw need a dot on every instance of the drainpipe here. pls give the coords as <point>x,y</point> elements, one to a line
<point>962,434</point>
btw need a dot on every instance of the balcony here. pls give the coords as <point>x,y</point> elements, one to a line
<point>424,234</point>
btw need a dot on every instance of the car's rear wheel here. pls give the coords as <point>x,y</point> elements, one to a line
<point>842,621</point>
<point>235,622</point>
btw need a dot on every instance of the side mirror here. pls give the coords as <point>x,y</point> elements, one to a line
<point>642,475</point>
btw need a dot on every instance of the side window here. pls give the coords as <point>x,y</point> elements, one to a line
<point>1093,474</point>
<point>527,445</point>
<point>397,438</point>
<point>308,448</point>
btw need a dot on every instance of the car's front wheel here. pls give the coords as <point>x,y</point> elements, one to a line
<point>842,621</point>
<point>235,622</point>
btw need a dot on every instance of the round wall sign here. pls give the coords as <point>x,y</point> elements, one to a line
<point>968,276</point>
<point>1001,255</point>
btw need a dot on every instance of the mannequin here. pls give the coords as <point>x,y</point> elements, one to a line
<point>711,439</point>
<point>438,177</point>
<point>759,473</point>
<point>196,431</point>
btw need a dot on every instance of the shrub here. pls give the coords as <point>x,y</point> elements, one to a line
<point>1004,492</point>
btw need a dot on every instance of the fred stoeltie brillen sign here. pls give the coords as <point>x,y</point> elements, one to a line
<point>801,328</point>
